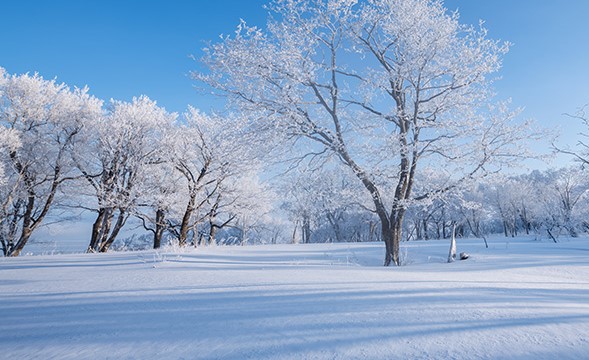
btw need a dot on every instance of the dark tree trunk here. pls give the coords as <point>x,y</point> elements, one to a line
<point>160,218</point>
<point>110,239</point>
<point>391,234</point>
<point>16,249</point>
<point>198,240</point>
<point>96,230</point>
<point>102,235</point>
<point>524,218</point>
<point>30,222</point>
<point>333,220</point>
<point>306,230</point>
<point>22,241</point>
<point>185,225</point>
<point>418,229</point>
<point>425,234</point>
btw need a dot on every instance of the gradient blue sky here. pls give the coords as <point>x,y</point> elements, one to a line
<point>126,48</point>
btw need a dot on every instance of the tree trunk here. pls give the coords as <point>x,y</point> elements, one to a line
<point>452,252</point>
<point>159,228</point>
<point>185,226</point>
<point>121,219</point>
<point>96,227</point>
<point>333,220</point>
<point>387,237</point>
<point>294,232</point>
<point>200,240</point>
<point>418,230</point>
<point>212,233</point>
<point>371,230</point>
<point>306,230</point>
<point>17,249</point>
<point>26,227</point>
<point>524,219</point>
<point>425,234</point>
<point>105,230</point>
<point>391,234</point>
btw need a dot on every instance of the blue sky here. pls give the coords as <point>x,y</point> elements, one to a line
<point>126,48</point>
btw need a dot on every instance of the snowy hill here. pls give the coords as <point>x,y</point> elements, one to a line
<point>519,299</point>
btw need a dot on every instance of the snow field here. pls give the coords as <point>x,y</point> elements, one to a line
<point>519,299</point>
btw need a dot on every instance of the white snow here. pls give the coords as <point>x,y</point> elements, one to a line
<point>519,299</point>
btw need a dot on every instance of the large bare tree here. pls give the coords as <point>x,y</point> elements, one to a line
<point>385,86</point>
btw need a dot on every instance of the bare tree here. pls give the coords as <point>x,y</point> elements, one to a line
<point>381,85</point>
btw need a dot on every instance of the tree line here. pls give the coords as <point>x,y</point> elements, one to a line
<point>545,204</point>
<point>63,149</point>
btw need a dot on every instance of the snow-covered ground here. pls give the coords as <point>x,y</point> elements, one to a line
<point>519,299</point>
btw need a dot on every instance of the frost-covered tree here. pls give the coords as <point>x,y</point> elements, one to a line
<point>159,196</point>
<point>561,195</point>
<point>246,205</point>
<point>513,199</point>
<point>117,159</point>
<point>43,119</point>
<point>212,161</point>
<point>475,210</point>
<point>197,156</point>
<point>323,204</point>
<point>300,199</point>
<point>385,86</point>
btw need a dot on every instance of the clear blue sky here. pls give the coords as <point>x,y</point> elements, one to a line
<point>129,47</point>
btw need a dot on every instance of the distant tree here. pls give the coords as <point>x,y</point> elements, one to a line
<point>247,205</point>
<point>561,194</point>
<point>323,203</point>
<point>475,212</point>
<point>158,196</point>
<point>513,199</point>
<point>42,121</point>
<point>383,86</point>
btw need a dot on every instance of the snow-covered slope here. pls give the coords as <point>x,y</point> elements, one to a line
<point>520,299</point>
